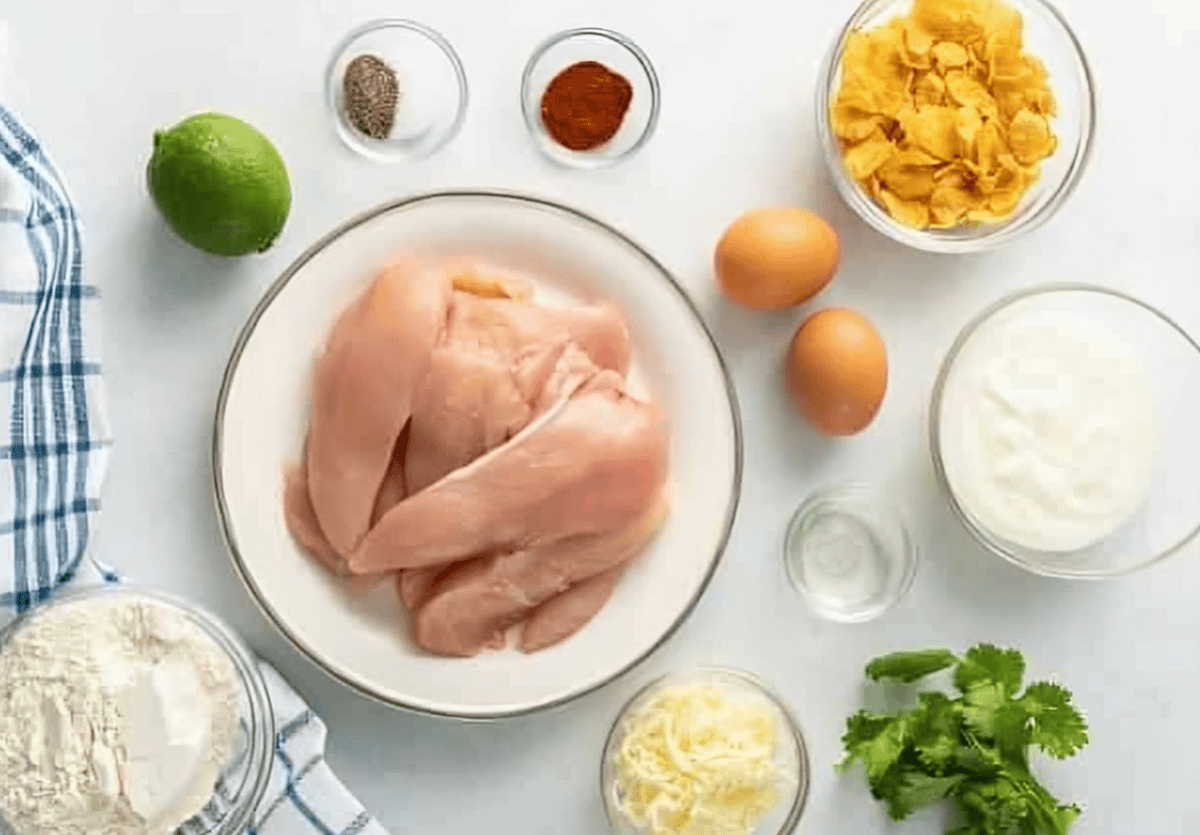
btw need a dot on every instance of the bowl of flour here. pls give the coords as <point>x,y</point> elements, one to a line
<point>129,712</point>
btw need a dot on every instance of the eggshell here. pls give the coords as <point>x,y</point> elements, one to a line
<point>776,257</point>
<point>837,371</point>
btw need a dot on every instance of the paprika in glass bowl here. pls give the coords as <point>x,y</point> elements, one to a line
<point>590,98</point>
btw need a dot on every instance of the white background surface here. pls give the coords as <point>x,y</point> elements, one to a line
<point>96,77</point>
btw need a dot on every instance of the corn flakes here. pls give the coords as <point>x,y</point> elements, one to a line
<point>943,118</point>
<point>863,160</point>
<point>929,89</point>
<point>908,174</point>
<point>949,55</point>
<point>933,128</point>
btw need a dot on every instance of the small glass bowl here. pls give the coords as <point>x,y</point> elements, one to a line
<point>848,553</point>
<point>791,756</point>
<point>1048,37</point>
<point>433,89</point>
<point>1168,517</point>
<point>619,54</point>
<point>244,780</point>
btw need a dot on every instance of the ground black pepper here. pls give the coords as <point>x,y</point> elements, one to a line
<point>371,91</point>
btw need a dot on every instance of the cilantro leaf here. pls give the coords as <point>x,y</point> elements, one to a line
<point>981,704</point>
<point>1058,727</point>
<point>878,741</point>
<point>985,663</point>
<point>1011,731</point>
<point>997,807</point>
<point>915,791</point>
<point>977,761</point>
<point>934,731</point>
<point>1064,815</point>
<point>910,666</point>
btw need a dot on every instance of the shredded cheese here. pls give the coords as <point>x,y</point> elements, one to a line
<point>697,760</point>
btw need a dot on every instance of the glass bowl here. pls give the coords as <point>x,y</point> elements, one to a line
<point>1048,37</point>
<point>433,89</point>
<point>848,553</point>
<point>244,779</point>
<point>619,54</point>
<point>791,756</point>
<point>1168,517</point>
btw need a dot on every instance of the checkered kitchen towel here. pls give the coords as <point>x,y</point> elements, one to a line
<point>54,445</point>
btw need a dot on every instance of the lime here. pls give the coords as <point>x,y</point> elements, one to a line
<point>220,184</point>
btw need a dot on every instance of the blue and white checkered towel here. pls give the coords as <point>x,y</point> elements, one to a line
<point>54,446</point>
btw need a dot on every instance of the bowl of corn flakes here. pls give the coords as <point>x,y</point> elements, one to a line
<point>956,125</point>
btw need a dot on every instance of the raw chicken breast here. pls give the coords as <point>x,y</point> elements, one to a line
<point>302,522</point>
<point>487,378</point>
<point>562,616</point>
<point>571,370</point>
<point>487,373</point>
<point>592,464</point>
<point>482,450</point>
<point>472,608</point>
<point>416,585</point>
<point>363,386</point>
<point>392,490</point>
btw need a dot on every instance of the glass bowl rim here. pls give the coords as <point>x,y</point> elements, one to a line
<point>261,753</point>
<point>756,683</point>
<point>984,538</point>
<point>435,37</point>
<point>923,239</point>
<point>909,556</point>
<point>582,159</point>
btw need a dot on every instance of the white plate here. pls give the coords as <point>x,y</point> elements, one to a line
<point>262,414</point>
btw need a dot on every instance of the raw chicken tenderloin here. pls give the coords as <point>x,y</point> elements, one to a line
<point>471,609</point>
<point>363,387</point>
<point>486,374</point>
<point>485,377</point>
<point>591,464</point>
<point>391,491</point>
<point>563,615</point>
<point>302,522</point>
<point>548,376</point>
<point>551,382</point>
<point>416,585</point>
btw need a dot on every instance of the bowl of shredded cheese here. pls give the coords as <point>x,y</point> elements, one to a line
<point>711,751</point>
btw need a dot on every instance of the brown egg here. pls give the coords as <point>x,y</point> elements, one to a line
<point>837,371</point>
<point>776,257</point>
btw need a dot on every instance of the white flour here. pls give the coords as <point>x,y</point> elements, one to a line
<point>116,717</point>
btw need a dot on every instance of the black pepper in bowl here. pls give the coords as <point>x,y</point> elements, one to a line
<point>371,91</point>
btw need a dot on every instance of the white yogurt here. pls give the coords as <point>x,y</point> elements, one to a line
<point>1048,429</point>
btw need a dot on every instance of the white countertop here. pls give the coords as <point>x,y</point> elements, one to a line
<point>96,77</point>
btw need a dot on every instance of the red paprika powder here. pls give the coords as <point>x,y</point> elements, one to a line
<point>584,105</point>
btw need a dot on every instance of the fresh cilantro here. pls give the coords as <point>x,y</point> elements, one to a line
<point>980,706</point>
<point>915,790</point>
<point>971,750</point>
<point>910,666</point>
<point>935,731</point>
<point>987,664</point>
<point>1058,728</point>
<point>878,741</point>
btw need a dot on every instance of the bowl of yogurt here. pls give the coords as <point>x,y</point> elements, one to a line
<point>1062,430</point>
<point>129,712</point>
